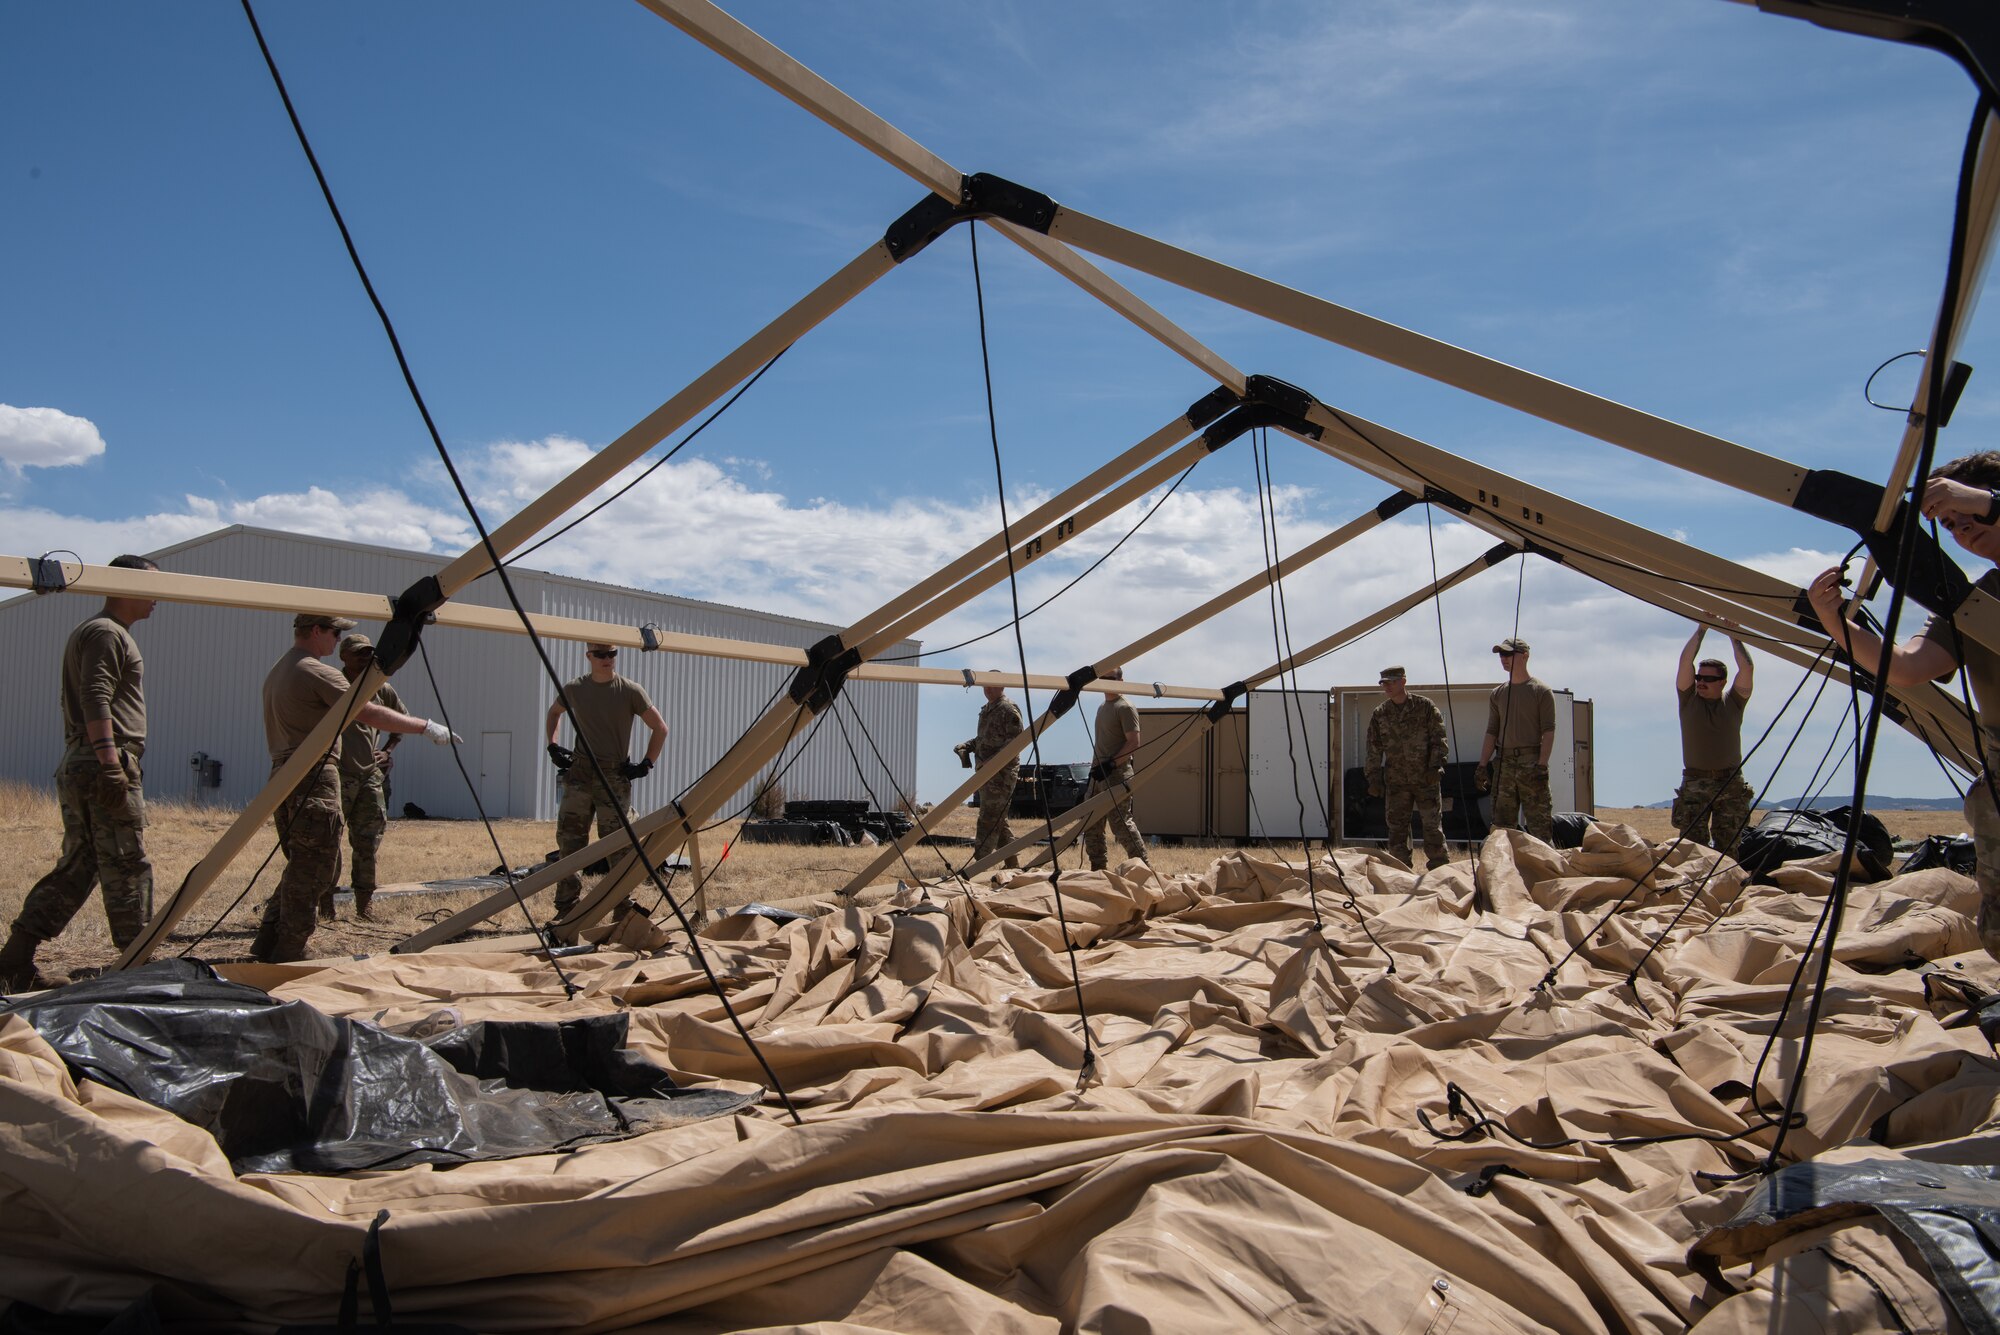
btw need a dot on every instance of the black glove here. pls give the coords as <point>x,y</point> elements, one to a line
<point>1102,771</point>
<point>635,769</point>
<point>561,757</point>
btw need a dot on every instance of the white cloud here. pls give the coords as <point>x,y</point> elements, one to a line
<point>698,529</point>
<point>45,438</point>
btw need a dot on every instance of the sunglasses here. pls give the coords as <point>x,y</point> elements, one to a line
<point>1710,680</point>
<point>604,653</point>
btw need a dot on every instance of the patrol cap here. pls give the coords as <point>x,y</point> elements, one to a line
<point>306,621</point>
<point>1393,674</point>
<point>1513,644</point>
<point>355,643</point>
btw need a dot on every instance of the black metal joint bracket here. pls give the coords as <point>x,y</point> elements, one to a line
<point>1395,505</point>
<point>1267,401</point>
<point>1065,699</point>
<point>1231,693</point>
<point>1211,406</point>
<point>1529,545</point>
<point>1935,583</point>
<point>981,195</point>
<point>413,611</point>
<point>1500,552</point>
<point>1447,500</point>
<point>825,672</point>
<point>45,575</point>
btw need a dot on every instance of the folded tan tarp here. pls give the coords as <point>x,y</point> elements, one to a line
<point>1470,1101</point>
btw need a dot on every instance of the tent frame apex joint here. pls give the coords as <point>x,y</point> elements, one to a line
<point>981,195</point>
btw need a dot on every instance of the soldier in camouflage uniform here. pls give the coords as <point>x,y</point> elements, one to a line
<point>1963,496</point>
<point>364,798</point>
<point>999,724</point>
<point>1521,728</point>
<point>1406,758</point>
<point>97,790</point>
<point>1713,793</point>
<point>1111,768</point>
<point>298,692</point>
<point>605,705</point>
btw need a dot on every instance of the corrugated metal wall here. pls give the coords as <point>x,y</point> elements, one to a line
<point>709,702</point>
<point>205,668</point>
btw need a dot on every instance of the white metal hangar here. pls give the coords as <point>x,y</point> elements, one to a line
<point>205,668</point>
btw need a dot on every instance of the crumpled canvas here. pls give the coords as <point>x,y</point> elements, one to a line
<point>1507,1095</point>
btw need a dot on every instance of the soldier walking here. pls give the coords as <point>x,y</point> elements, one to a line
<point>97,789</point>
<point>364,797</point>
<point>1406,759</point>
<point>1521,727</point>
<point>298,692</point>
<point>1713,794</point>
<point>999,724</point>
<point>1111,767</point>
<point>605,705</point>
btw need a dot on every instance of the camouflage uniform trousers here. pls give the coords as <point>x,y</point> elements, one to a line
<point>1119,818</point>
<point>995,798</point>
<point>364,806</point>
<point>101,842</point>
<point>582,797</point>
<point>1716,800</point>
<point>1984,821</point>
<point>1521,798</point>
<point>309,832</point>
<point>1398,801</point>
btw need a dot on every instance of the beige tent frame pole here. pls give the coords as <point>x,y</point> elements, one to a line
<point>758,57</point>
<point>626,872</point>
<point>1980,220</point>
<point>859,274</point>
<point>1934,715</point>
<point>1670,442</point>
<point>929,820</point>
<point>117,582</point>
<point>662,830</point>
<point>760,348</point>
<point>1070,823</point>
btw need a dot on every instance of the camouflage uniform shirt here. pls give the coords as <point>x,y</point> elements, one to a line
<point>1406,744</point>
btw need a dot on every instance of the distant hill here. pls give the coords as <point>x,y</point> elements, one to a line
<point>1829,800</point>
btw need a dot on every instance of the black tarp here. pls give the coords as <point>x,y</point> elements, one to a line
<point>285,1088</point>
<point>1941,850</point>
<point>1791,835</point>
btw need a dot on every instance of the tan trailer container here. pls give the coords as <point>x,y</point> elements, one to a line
<point>1202,793</point>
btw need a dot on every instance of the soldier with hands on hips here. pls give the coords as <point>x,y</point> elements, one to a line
<point>606,705</point>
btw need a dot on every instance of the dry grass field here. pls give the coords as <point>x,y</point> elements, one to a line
<point>221,926</point>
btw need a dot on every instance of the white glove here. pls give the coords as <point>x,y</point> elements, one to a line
<point>440,734</point>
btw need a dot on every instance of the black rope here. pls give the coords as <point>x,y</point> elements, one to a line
<point>1281,639</point>
<point>1444,660</point>
<point>492,554</point>
<point>492,836</point>
<point>1089,1061</point>
<point>1910,529</point>
<point>685,441</point>
<point>983,635</point>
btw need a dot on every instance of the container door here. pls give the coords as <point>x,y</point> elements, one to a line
<point>1288,764</point>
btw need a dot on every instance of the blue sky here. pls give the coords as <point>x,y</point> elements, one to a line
<point>1719,216</point>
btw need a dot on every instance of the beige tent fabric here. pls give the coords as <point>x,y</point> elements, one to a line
<point>1277,1130</point>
